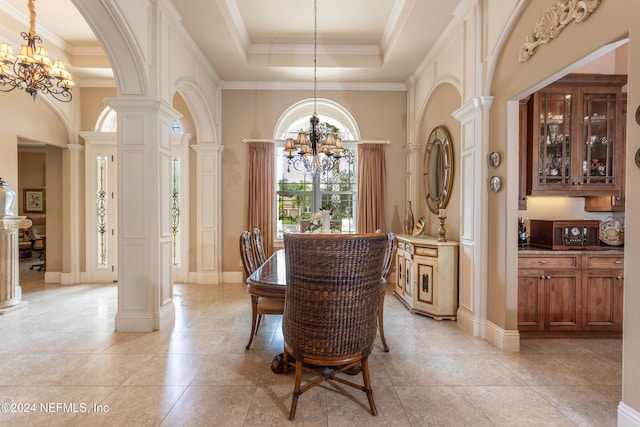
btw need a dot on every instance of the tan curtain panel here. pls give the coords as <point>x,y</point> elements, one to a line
<point>261,191</point>
<point>372,177</point>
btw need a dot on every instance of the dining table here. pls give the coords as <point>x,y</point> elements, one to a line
<point>270,279</point>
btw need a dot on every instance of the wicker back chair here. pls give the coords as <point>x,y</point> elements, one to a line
<point>258,247</point>
<point>259,305</point>
<point>389,255</point>
<point>331,305</point>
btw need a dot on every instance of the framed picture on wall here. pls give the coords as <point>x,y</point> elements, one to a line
<point>34,200</point>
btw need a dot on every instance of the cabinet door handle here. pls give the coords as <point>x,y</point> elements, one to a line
<point>542,277</point>
<point>619,277</point>
<point>548,277</point>
<point>425,283</point>
<point>542,261</point>
<point>619,262</point>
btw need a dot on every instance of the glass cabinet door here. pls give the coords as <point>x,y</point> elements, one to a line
<point>554,139</point>
<point>574,133</point>
<point>598,130</point>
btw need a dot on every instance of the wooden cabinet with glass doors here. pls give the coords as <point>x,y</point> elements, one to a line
<point>576,144</point>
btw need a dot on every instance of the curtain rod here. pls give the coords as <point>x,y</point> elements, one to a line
<point>358,141</point>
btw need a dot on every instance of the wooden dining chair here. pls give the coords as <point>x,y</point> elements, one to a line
<point>247,254</point>
<point>389,255</point>
<point>258,246</point>
<point>331,304</point>
<point>259,305</point>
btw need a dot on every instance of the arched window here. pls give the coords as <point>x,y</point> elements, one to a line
<point>108,122</point>
<point>298,196</point>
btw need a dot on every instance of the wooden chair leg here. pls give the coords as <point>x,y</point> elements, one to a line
<point>381,322</point>
<point>367,386</point>
<point>258,325</point>
<point>254,315</point>
<point>296,390</point>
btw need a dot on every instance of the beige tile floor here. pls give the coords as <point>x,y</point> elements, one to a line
<point>62,350</point>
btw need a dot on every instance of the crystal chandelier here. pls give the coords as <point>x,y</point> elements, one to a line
<point>32,70</point>
<point>319,150</point>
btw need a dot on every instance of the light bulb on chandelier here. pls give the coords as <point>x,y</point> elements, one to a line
<point>32,70</point>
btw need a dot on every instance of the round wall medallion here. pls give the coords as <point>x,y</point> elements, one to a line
<point>494,159</point>
<point>638,115</point>
<point>638,158</point>
<point>495,183</point>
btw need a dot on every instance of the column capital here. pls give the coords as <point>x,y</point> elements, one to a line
<point>207,147</point>
<point>123,105</point>
<point>76,148</point>
<point>411,148</point>
<point>14,222</point>
<point>181,138</point>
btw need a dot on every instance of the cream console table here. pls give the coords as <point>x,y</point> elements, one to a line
<point>10,291</point>
<point>427,276</point>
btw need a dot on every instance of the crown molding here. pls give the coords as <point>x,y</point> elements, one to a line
<point>355,86</point>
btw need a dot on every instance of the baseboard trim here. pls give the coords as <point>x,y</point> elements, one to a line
<point>627,416</point>
<point>468,323</point>
<point>53,277</point>
<point>233,277</point>
<point>505,339</point>
<point>204,278</point>
<point>146,322</point>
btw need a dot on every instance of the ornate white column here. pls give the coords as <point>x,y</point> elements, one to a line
<point>472,310</point>
<point>145,285</point>
<point>73,276</point>
<point>10,291</point>
<point>208,196</point>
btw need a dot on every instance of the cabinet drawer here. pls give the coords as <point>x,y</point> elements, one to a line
<point>600,261</point>
<point>530,272</point>
<point>569,261</point>
<point>431,252</point>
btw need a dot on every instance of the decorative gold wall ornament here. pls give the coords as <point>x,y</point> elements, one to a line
<point>553,21</point>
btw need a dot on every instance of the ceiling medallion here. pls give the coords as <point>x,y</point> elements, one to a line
<point>553,21</point>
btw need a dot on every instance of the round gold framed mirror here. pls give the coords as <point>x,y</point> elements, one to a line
<point>437,169</point>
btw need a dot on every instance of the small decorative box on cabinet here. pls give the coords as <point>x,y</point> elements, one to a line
<point>427,276</point>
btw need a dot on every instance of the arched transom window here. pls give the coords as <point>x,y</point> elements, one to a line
<point>297,195</point>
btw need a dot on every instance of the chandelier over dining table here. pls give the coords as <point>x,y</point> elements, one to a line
<point>318,150</point>
<point>32,70</point>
